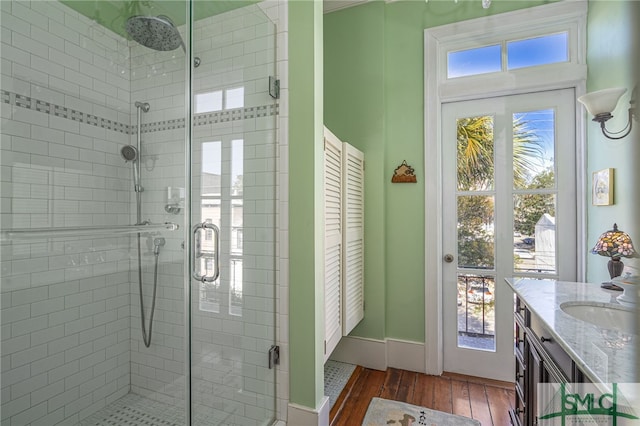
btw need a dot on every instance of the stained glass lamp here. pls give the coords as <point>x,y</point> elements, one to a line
<point>616,245</point>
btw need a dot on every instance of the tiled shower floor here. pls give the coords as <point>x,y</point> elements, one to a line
<point>136,410</point>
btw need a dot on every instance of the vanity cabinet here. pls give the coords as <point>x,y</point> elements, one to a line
<point>552,346</point>
<point>539,359</point>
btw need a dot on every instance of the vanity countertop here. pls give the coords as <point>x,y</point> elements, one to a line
<point>603,355</point>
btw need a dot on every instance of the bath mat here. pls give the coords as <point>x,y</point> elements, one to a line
<point>384,412</point>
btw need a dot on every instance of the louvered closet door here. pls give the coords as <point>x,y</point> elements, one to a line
<point>352,237</point>
<point>333,242</point>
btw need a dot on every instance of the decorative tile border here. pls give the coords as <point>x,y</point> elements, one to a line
<point>178,123</point>
<point>62,112</point>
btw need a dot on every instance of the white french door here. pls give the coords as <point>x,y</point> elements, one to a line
<point>509,209</point>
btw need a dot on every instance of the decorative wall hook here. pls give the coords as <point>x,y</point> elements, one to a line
<point>404,173</point>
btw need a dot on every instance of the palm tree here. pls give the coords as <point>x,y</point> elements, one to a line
<point>475,152</point>
<point>528,154</point>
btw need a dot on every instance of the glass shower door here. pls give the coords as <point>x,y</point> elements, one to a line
<point>233,192</point>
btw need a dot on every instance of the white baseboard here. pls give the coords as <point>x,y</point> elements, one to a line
<point>298,415</point>
<point>406,355</point>
<point>368,353</point>
<point>380,354</point>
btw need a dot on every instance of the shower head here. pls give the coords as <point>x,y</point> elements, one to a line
<point>129,153</point>
<point>154,32</point>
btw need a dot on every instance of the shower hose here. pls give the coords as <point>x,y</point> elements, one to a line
<point>146,336</point>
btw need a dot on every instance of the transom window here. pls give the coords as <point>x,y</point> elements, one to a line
<point>509,55</point>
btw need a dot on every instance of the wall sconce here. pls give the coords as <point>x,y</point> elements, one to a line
<point>602,103</point>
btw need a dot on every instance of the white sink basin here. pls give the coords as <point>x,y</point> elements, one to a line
<point>605,315</point>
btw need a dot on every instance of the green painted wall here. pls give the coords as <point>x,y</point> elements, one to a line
<point>373,94</point>
<point>613,58</point>
<point>354,67</point>
<point>306,325</point>
<point>609,58</point>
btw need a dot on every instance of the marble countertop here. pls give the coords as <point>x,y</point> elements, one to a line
<point>603,355</point>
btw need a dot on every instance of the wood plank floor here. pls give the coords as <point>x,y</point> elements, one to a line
<point>483,400</point>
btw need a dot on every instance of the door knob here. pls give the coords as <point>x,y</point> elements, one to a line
<point>448,258</point>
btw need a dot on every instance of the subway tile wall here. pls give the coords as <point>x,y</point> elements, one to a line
<point>65,301</point>
<point>61,167</point>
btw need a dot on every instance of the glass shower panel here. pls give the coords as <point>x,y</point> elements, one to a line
<point>87,237</point>
<point>233,189</point>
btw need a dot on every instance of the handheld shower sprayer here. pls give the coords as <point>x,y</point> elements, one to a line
<point>130,153</point>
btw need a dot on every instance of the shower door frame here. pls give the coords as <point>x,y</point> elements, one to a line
<point>188,102</point>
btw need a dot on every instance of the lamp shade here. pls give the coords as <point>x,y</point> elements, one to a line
<point>615,244</point>
<point>602,101</point>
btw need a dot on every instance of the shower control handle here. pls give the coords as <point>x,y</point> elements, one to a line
<point>196,252</point>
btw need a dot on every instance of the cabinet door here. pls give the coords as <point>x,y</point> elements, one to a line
<point>539,370</point>
<point>536,374</point>
<point>333,247</point>
<point>352,237</point>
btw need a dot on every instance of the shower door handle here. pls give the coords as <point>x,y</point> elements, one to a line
<point>196,252</point>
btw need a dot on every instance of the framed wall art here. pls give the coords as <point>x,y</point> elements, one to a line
<point>602,188</point>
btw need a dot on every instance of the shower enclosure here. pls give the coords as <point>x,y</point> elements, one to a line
<point>138,213</point>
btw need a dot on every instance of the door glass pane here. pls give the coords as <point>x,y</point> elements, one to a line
<point>534,149</point>
<point>534,233</point>
<point>475,232</point>
<point>476,311</point>
<point>475,153</point>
